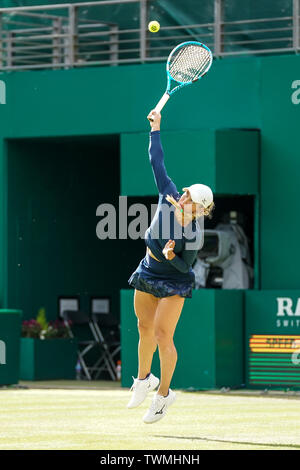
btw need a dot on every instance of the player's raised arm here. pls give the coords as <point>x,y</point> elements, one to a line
<point>156,154</point>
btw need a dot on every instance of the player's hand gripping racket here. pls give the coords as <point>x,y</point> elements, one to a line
<point>186,63</point>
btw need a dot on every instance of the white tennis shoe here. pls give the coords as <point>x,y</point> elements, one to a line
<point>141,388</point>
<point>158,407</point>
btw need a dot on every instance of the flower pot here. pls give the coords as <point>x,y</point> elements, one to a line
<point>50,359</point>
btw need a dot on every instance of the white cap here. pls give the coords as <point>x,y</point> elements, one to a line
<point>201,194</point>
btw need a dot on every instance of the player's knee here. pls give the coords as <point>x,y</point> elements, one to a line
<point>145,329</point>
<point>163,337</point>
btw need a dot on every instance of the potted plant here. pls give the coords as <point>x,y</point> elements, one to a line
<point>47,350</point>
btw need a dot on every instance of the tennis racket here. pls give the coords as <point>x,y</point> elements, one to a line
<point>186,63</point>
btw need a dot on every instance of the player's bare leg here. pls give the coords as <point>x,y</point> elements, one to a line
<point>166,319</point>
<point>145,306</point>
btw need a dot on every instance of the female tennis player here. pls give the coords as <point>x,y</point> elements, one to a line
<point>164,277</point>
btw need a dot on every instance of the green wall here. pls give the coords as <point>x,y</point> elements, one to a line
<point>226,160</point>
<point>10,331</point>
<point>108,100</point>
<point>247,93</point>
<point>54,188</point>
<point>208,339</point>
<point>3,224</point>
<point>200,146</point>
<point>280,169</point>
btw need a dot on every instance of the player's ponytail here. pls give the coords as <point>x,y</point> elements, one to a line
<point>207,211</point>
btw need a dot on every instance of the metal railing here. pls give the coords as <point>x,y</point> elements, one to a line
<point>61,36</point>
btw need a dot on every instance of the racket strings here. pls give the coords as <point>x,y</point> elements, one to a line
<point>189,63</point>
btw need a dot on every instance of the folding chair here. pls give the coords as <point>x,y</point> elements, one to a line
<point>79,319</point>
<point>107,329</point>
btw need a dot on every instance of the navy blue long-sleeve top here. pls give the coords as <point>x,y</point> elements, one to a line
<point>164,225</point>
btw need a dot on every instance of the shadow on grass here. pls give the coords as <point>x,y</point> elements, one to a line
<point>194,438</point>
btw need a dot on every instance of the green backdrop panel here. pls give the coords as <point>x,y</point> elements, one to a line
<point>53,359</point>
<point>247,92</point>
<point>226,160</point>
<point>280,168</point>
<point>188,156</point>
<point>208,339</point>
<point>3,224</point>
<point>195,366</point>
<point>10,334</point>
<point>237,160</point>
<point>229,327</point>
<point>55,187</point>
<point>71,102</point>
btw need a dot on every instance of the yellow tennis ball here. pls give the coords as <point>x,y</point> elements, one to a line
<point>153,26</point>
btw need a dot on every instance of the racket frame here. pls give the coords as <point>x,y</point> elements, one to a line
<point>180,85</point>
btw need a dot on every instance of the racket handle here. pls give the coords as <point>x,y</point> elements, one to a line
<point>161,103</point>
